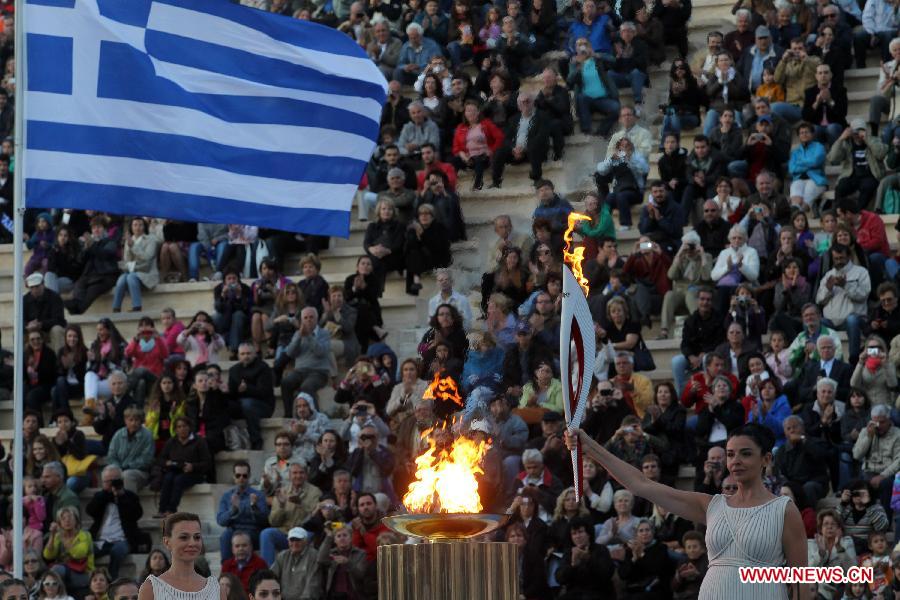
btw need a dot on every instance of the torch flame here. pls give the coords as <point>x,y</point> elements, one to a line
<point>445,477</point>
<point>443,389</point>
<point>573,257</point>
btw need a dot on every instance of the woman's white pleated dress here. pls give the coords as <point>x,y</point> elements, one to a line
<point>743,537</point>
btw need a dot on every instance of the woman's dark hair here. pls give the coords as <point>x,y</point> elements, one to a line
<point>165,556</point>
<point>789,261</point>
<point>260,576</point>
<point>340,451</point>
<point>866,402</point>
<point>115,338</point>
<point>454,314</point>
<point>861,484</point>
<point>270,263</point>
<point>583,523</point>
<point>79,353</point>
<point>541,223</point>
<point>145,320</point>
<point>176,518</point>
<point>537,365</point>
<point>800,498</point>
<point>236,589</point>
<point>672,390</point>
<point>761,436</point>
<point>438,85</point>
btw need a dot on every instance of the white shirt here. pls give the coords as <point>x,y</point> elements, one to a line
<point>111,529</point>
<point>458,301</point>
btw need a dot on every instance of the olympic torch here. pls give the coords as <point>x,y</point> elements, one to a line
<point>577,345</point>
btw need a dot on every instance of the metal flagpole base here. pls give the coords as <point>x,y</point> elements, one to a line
<point>458,570</point>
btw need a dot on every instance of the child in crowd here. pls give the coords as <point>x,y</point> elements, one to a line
<point>822,240</point>
<point>35,513</point>
<point>804,241</point>
<point>491,31</point>
<point>879,558</point>
<point>172,328</point>
<point>777,357</point>
<point>40,243</point>
<point>769,88</point>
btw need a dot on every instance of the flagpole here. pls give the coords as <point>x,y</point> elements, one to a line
<point>18,259</point>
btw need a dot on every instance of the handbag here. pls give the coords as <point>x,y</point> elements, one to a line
<point>643,359</point>
<point>890,204</point>
<point>236,438</point>
<point>78,467</point>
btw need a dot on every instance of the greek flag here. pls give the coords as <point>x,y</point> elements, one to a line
<point>199,110</point>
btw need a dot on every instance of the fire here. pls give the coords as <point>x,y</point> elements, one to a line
<point>443,389</point>
<point>573,257</point>
<point>445,476</point>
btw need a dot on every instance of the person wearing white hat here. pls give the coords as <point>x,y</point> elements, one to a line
<point>296,566</point>
<point>42,309</point>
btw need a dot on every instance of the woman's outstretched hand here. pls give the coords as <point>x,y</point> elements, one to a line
<point>571,438</point>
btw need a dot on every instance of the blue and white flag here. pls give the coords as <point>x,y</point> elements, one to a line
<point>200,110</point>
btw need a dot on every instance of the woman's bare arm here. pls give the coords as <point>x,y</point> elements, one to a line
<point>793,540</point>
<point>688,505</point>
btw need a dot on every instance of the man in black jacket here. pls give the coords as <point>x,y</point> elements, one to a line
<point>704,167</point>
<point>42,309</point>
<point>802,388</point>
<point>525,139</point>
<point>713,229</point>
<point>519,359</point>
<point>702,332</point>
<point>825,106</point>
<point>803,460</point>
<point>553,101</point>
<point>111,412</point>
<point>101,268</point>
<point>115,512</point>
<point>251,382</point>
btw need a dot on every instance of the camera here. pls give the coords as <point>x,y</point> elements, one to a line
<point>605,392</point>
<point>646,246</point>
<point>872,351</point>
<point>691,247</point>
<point>742,300</point>
<point>628,429</point>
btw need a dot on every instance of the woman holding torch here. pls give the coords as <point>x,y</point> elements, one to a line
<point>751,528</point>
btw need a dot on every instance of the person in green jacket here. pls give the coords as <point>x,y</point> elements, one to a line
<point>599,226</point>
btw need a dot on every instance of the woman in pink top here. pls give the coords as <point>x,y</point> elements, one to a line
<point>200,340</point>
<point>475,141</point>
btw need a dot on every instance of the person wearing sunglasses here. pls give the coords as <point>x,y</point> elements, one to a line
<point>52,588</point>
<point>241,508</point>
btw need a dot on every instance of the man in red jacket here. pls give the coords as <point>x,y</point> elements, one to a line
<point>870,234</point>
<point>648,267</point>
<point>697,388</point>
<point>367,526</point>
<point>244,562</point>
<point>430,162</point>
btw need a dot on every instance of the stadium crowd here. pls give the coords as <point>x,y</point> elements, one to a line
<point>778,284</point>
